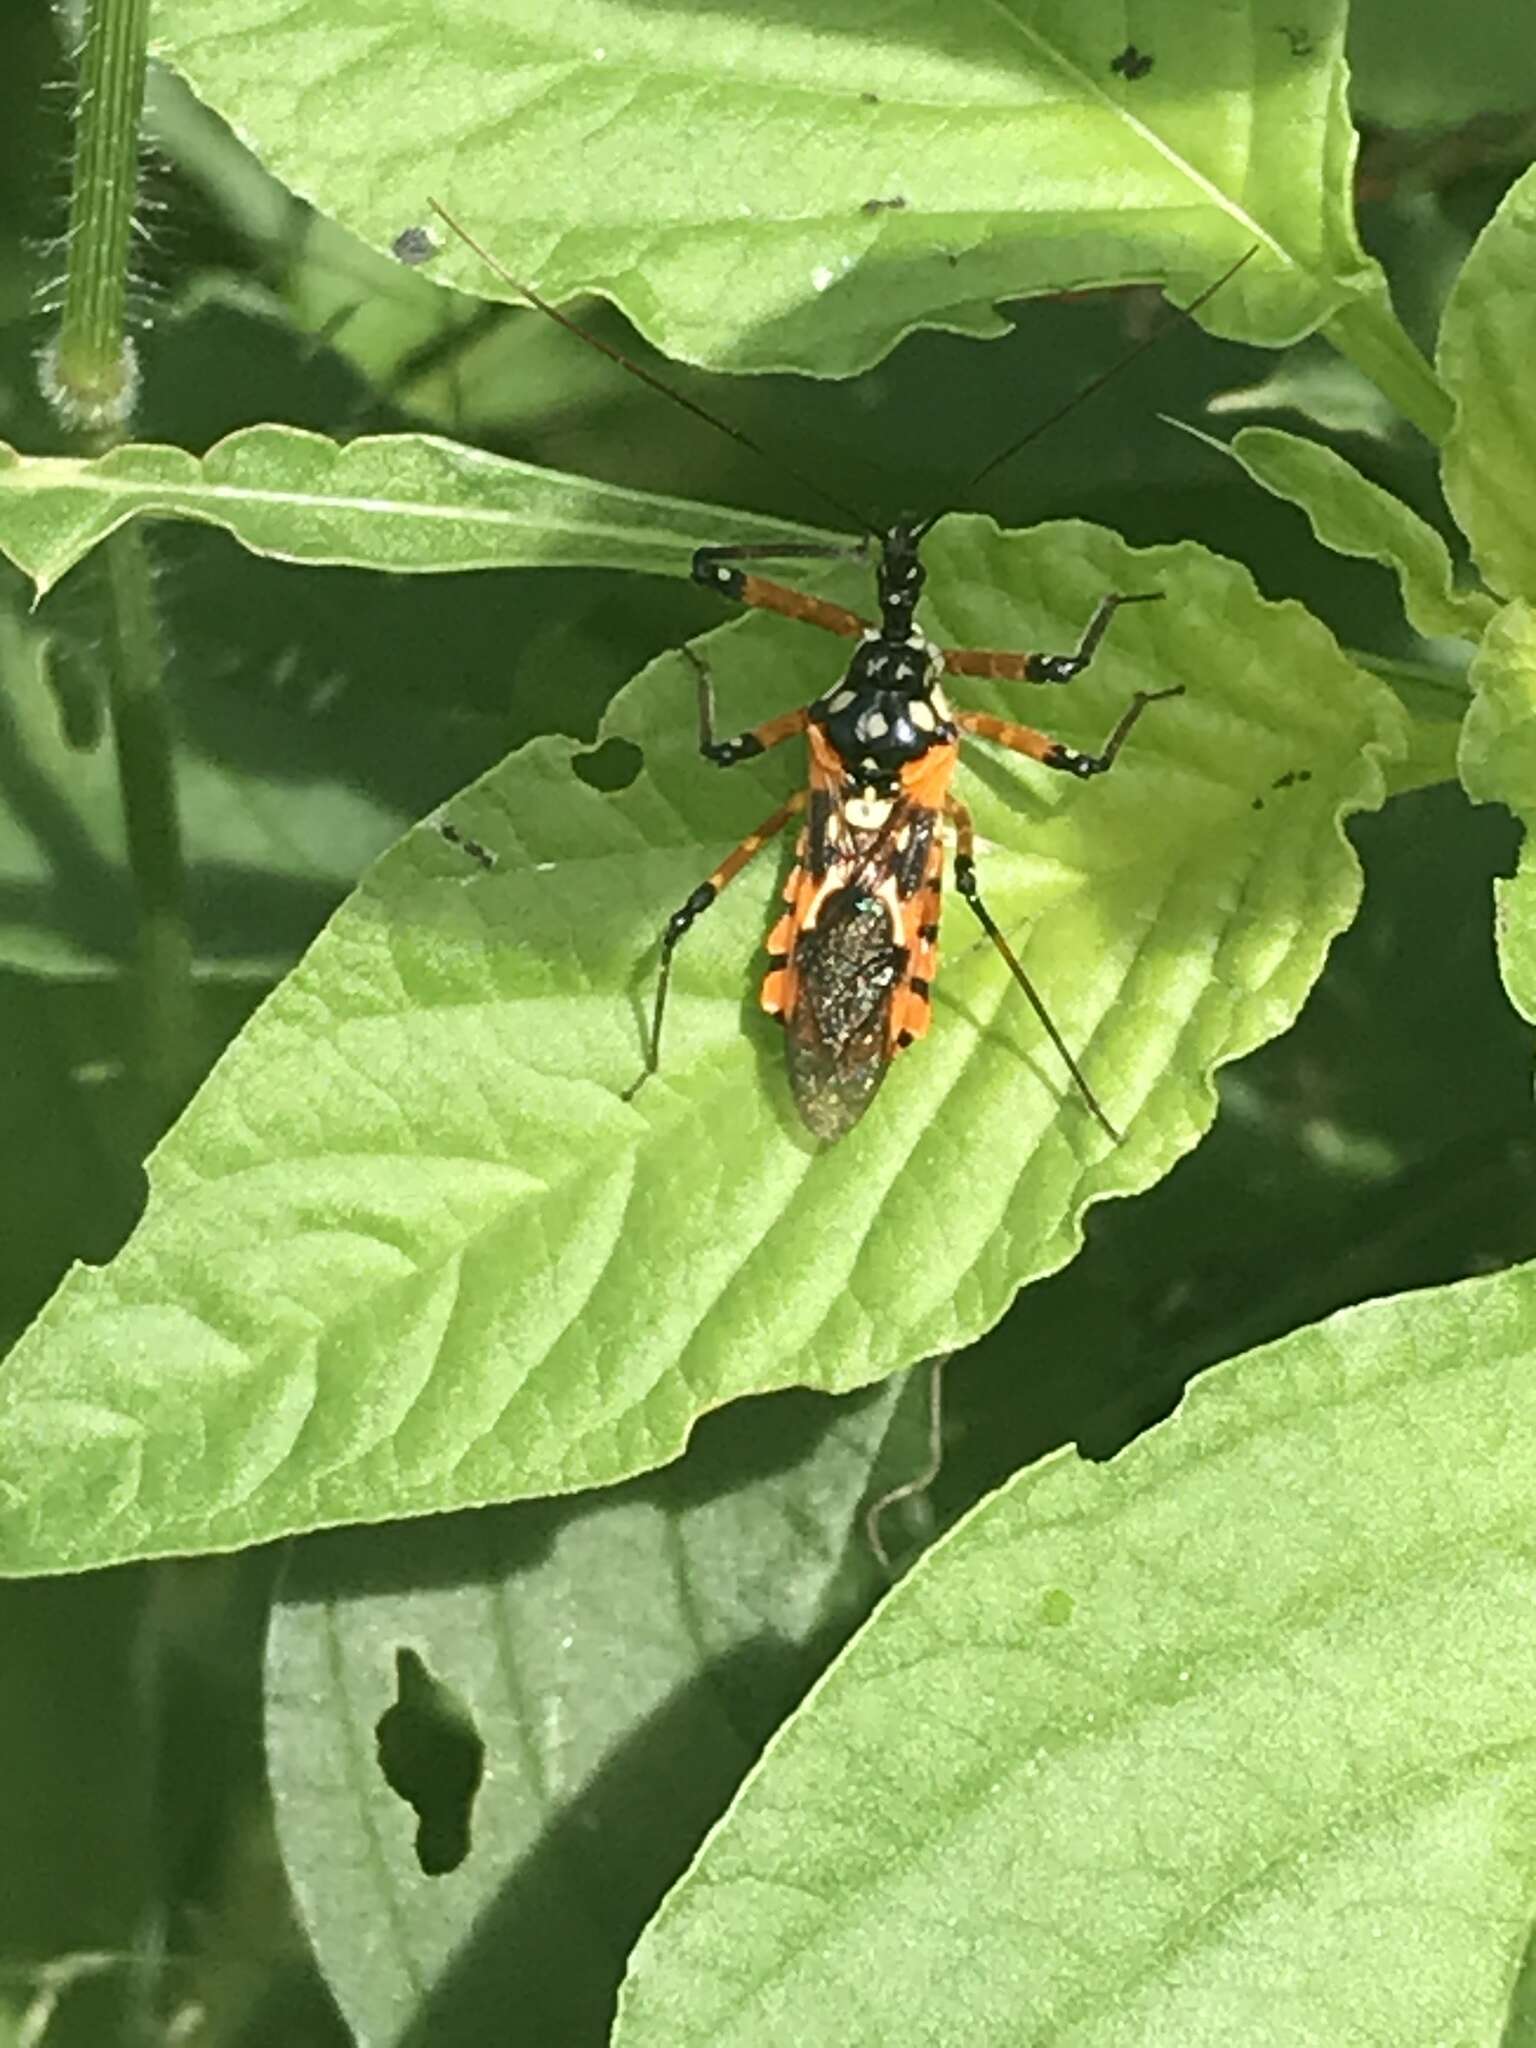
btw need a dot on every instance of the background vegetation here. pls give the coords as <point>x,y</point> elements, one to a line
<point>1238,1722</point>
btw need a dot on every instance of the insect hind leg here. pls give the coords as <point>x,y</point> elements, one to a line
<point>688,912</point>
<point>965,883</point>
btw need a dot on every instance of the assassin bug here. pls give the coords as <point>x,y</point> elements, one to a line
<point>853,955</point>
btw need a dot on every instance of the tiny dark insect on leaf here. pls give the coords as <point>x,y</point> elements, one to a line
<point>414,245</point>
<point>1132,63</point>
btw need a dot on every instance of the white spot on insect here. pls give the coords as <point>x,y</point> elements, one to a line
<point>821,277</point>
<point>922,714</point>
<point>941,705</point>
<point>841,701</point>
<point>869,812</point>
<point>870,633</point>
<point>874,725</point>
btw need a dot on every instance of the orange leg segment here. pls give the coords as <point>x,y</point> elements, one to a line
<point>716,568</point>
<point>1000,666</point>
<point>1039,746</point>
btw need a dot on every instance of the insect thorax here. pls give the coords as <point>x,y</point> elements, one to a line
<point>887,710</point>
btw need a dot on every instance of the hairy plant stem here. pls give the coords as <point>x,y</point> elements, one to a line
<point>91,378</point>
<point>92,364</point>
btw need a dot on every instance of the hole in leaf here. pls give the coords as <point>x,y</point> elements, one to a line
<point>432,1757</point>
<point>611,767</point>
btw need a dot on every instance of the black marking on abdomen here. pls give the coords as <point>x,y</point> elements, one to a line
<point>818,833</point>
<point>910,862</point>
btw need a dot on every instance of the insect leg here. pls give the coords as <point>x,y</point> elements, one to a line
<point>1039,746</point>
<point>685,914</point>
<point>965,882</point>
<point>726,753</point>
<point>715,568</point>
<point>1000,666</point>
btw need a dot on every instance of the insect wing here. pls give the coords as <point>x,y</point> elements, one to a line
<point>850,959</point>
<point>847,972</point>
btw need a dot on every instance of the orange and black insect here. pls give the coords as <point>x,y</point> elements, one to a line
<point>853,955</point>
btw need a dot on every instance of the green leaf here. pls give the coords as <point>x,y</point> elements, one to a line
<point>411,1249</point>
<point>632,1654</point>
<point>1487,341</point>
<point>1230,1740</point>
<point>714,174</point>
<point>403,502</point>
<point>1354,516</point>
<point>1498,765</point>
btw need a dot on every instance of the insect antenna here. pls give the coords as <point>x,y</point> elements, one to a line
<point>616,355</point>
<point>1086,391</point>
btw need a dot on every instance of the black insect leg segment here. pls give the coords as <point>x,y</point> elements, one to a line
<point>1062,668</point>
<point>746,745</point>
<point>683,918</point>
<point>1086,765</point>
<point>965,882</point>
<point>1039,746</point>
<point>1001,666</point>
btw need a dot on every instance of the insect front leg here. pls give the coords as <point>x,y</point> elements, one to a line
<point>998,665</point>
<point>683,918</point>
<point>716,568</point>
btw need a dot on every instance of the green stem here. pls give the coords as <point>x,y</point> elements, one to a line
<point>147,782</point>
<point>92,376</point>
<point>1444,690</point>
<point>1368,332</point>
<point>1435,702</point>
